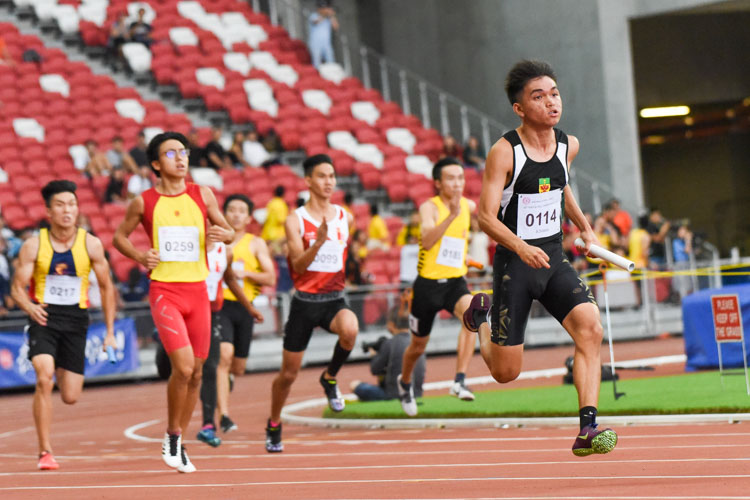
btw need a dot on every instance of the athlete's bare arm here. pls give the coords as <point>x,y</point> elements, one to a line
<point>22,278</point>
<point>230,278</point>
<point>133,216</point>
<point>497,172</point>
<point>428,214</point>
<point>298,256</point>
<point>572,210</point>
<point>267,275</point>
<point>220,229</point>
<point>101,269</point>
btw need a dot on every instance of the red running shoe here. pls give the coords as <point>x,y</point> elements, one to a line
<point>591,440</point>
<point>47,462</point>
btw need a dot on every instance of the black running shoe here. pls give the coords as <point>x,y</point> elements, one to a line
<point>273,438</point>
<point>476,313</point>
<point>331,389</point>
<point>226,424</point>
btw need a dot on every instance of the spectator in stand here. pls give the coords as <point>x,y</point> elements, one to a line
<point>119,158</point>
<point>323,23</point>
<point>682,248</point>
<point>450,148</point>
<point>621,219</point>
<point>410,233</point>
<point>387,356</point>
<point>348,201</point>
<point>474,154</point>
<point>216,156</point>
<point>136,288</point>
<point>638,243</point>
<point>658,228</point>
<point>253,151</point>
<point>197,156</point>
<point>98,164</point>
<point>377,231</point>
<point>116,186</point>
<point>5,57</point>
<point>607,232</point>
<point>140,182</point>
<point>140,30</point>
<point>138,152</point>
<point>119,34</point>
<point>6,301</point>
<point>276,213</point>
<point>235,153</point>
<point>272,143</point>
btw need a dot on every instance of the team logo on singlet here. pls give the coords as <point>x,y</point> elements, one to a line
<point>60,268</point>
<point>544,185</point>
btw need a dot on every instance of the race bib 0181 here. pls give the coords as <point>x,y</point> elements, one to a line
<point>451,252</point>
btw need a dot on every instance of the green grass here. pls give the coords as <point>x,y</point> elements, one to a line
<point>689,393</point>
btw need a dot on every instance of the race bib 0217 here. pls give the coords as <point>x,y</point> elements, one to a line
<point>62,290</point>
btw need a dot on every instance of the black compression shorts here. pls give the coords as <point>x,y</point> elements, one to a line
<point>304,316</point>
<point>430,297</point>
<point>515,285</point>
<point>237,327</point>
<point>64,337</point>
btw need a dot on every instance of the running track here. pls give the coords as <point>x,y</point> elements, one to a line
<point>99,461</point>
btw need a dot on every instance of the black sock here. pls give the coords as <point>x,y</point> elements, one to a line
<point>587,416</point>
<point>339,356</point>
<point>460,377</point>
<point>405,385</point>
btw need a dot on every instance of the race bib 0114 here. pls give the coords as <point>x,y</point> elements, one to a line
<point>539,215</point>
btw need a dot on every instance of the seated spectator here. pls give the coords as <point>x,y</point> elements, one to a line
<point>638,243</point>
<point>474,154</point>
<point>98,164</point>
<point>236,156</point>
<point>116,185</point>
<point>119,34</point>
<point>348,200</point>
<point>119,158</point>
<point>450,148</point>
<point>621,219</point>
<point>387,357</point>
<point>276,213</point>
<point>253,151</point>
<point>136,288</point>
<point>410,233</point>
<point>140,30</point>
<point>377,231</point>
<point>138,152</point>
<point>658,227</point>
<point>140,182</point>
<point>272,143</point>
<point>197,153</point>
<point>216,156</point>
<point>359,244</point>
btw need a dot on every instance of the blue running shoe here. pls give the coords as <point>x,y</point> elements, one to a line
<point>590,440</point>
<point>208,435</point>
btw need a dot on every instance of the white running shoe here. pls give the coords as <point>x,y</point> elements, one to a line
<point>170,450</point>
<point>186,465</point>
<point>461,392</point>
<point>408,403</point>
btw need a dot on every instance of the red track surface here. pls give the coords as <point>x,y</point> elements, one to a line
<point>99,461</point>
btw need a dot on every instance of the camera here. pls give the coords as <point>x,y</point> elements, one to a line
<point>375,345</point>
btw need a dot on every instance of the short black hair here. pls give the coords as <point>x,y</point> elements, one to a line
<point>313,161</point>
<point>522,73</point>
<point>241,197</point>
<point>117,138</point>
<point>279,191</point>
<point>56,187</point>
<point>437,169</point>
<point>152,151</point>
<point>348,198</point>
<point>374,210</point>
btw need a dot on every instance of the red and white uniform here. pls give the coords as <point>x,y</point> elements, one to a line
<point>217,264</point>
<point>325,274</point>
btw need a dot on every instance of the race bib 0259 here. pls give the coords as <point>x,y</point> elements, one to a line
<point>179,244</point>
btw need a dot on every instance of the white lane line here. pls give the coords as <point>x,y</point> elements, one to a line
<point>287,484</point>
<point>579,462</point>
<point>131,433</point>
<point>17,431</point>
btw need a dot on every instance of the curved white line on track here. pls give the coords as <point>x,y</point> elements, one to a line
<point>130,432</point>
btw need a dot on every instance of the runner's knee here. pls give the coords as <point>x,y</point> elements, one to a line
<point>504,374</point>
<point>69,399</point>
<point>44,382</point>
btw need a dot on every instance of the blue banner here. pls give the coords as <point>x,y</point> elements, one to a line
<point>16,369</point>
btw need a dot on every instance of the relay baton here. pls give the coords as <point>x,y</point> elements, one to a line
<point>604,254</point>
<point>111,354</point>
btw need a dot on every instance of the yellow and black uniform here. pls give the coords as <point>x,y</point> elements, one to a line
<point>236,322</point>
<point>441,269</point>
<point>61,280</point>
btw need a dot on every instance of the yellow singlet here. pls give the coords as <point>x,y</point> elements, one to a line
<point>447,257</point>
<point>244,260</point>
<point>61,278</point>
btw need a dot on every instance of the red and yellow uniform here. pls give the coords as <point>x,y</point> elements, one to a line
<point>176,226</point>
